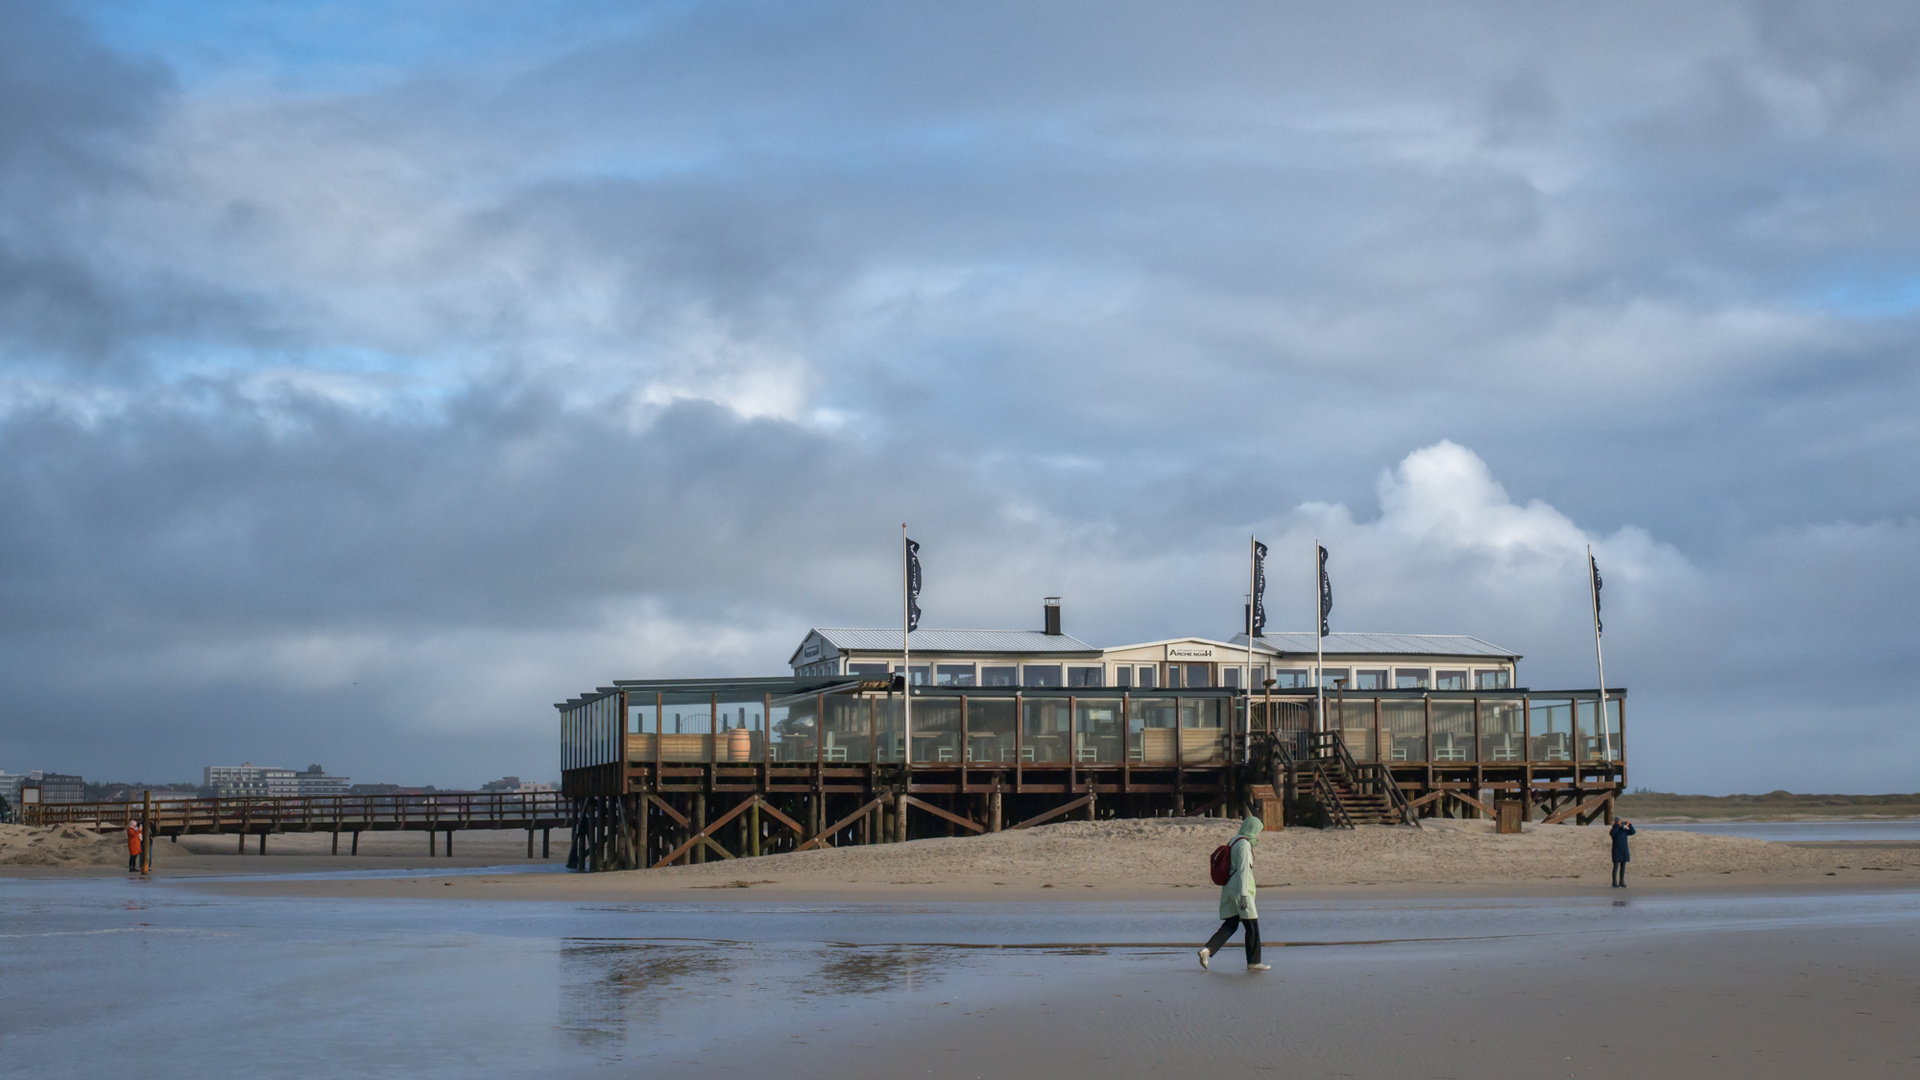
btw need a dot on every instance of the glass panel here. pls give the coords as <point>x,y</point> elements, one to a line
<point>743,728</point>
<point>777,718</point>
<point>1197,675</point>
<point>1123,676</point>
<point>797,732</point>
<point>1409,678</point>
<point>1497,679</point>
<point>1098,733</point>
<point>1150,728</point>
<point>1329,677</point>
<point>1201,731</point>
<point>1589,744</point>
<point>1045,739</point>
<point>643,719</point>
<point>990,723</point>
<point>1040,674</point>
<point>686,727</point>
<point>1501,736</point>
<point>1453,731</point>
<point>1292,678</point>
<point>870,669</point>
<point>1354,719</point>
<point>1230,676</point>
<point>999,676</point>
<point>953,675</point>
<point>1149,675</point>
<point>1403,726</point>
<point>919,675</point>
<point>936,730</point>
<point>890,719</point>
<point>1613,729</point>
<point>1552,736</point>
<point>1085,676</point>
<point>847,730</point>
<point>1449,680</point>
<point>1374,679</point>
<point>1173,676</point>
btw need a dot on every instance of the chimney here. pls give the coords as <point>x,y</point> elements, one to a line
<point>1053,616</point>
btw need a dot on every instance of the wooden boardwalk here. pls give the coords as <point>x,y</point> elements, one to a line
<point>433,814</point>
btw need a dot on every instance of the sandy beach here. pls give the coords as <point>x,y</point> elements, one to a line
<point>1161,859</point>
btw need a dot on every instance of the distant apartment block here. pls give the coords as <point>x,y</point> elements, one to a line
<point>268,781</point>
<point>54,787</point>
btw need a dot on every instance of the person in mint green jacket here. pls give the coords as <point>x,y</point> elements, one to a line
<point>1236,900</point>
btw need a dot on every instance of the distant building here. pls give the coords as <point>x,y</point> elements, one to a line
<point>315,782</point>
<point>505,783</point>
<point>267,781</point>
<point>55,787</point>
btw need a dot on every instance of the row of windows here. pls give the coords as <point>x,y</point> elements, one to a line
<point>1148,676</point>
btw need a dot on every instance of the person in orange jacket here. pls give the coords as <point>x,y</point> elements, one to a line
<point>134,845</point>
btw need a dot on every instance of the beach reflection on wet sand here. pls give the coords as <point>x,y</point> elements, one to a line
<point>105,973</point>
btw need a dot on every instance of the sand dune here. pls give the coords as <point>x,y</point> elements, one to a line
<point>61,845</point>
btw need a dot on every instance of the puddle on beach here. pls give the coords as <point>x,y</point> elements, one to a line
<point>324,987</point>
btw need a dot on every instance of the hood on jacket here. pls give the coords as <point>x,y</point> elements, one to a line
<point>1251,829</point>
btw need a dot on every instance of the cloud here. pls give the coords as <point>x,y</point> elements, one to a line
<point>398,376</point>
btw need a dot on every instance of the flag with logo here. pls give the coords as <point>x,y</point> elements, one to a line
<point>1326,593</point>
<point>913,586</point>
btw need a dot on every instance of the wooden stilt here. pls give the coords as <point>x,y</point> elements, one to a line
<point>336,841</point>
<point>263,843</point>
<point>699,852</point>
<point>356,841</point>
<point>546,840</point>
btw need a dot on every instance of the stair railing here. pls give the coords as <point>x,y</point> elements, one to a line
<point>1330,746</point>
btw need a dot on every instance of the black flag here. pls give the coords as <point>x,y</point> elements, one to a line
<point>913,586</point>
<point>1326,593</point>
<point>1595,567</point>
<point>1258,617</point>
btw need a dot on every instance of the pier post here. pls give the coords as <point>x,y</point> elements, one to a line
<point>993,810</point>
<point>356,842</point>
<point>336,841</point>
<point>546,836</point>
<point>449,843</point>
<point>433,842</point>
<point>753,829</point>
<point>699,852</point>
<point>243,843</point>
<point>263,843</point>
<point>644,841</point>
<point>529,843</point>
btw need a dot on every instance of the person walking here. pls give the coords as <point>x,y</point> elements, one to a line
<point>135,844</point>
<point>1621,856</point>
<point>1236,900</point>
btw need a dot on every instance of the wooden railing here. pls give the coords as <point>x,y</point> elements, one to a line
<point>431,812</point>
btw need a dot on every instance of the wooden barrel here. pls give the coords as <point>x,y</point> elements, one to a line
<point>739,745</point>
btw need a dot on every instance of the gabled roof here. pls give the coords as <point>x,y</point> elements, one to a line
<point>1302,644</point>
<point>847,639</point>
<point>1238,642</point>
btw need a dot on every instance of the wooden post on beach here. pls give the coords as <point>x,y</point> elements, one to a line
<point>993,809</point>
<point>546,838</point>
<point>433,842</point>
<point>449,843</point>
<point>753,828</point>
<point>263,843</point>
<point>699,852</point>
<point>356,842</point>
<point>146,838</point>
<point>336,842</point>
<point>529,843</point>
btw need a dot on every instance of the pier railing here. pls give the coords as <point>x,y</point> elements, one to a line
<point>430,812</point>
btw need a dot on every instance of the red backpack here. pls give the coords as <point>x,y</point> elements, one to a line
<point>1220,866</point>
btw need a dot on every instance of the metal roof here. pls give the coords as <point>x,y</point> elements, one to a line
<point>953,641</point>
<point>1302,644</point>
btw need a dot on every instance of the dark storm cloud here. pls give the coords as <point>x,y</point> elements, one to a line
<point>394,409</point>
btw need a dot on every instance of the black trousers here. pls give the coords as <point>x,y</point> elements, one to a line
<point>1220,936</point>
<point>133,862</point>
<point>1619,873</point>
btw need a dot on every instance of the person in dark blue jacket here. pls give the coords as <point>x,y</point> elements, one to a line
<point>1620,831</point>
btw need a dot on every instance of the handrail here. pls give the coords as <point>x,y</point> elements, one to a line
<point>315,813</point>
<point>1330,744</point>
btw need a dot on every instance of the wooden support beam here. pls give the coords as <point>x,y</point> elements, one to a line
<point>1559,816</point>
<point>798,832</point>
<point>704,836</point>
<point>1217,800</point>
<point>937,812</point>
<point>1415,804</point>
<point>1473,802</point>
<point>824,839</point>
<point>1064,808</point>
<point>668,809</point>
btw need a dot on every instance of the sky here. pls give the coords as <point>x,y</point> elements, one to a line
<point>373,376</point>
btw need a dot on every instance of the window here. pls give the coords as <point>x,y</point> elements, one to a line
<point>1375,679</point>
<point>991,675</point>
<point>1449,680</point>
<point>1123,676</point>
<point>873,670</point>
<point>1085,676</point>
<point>1230,676</point>
<point>1331,675</point>
<point>1040,674</point>
<point>953,675</point>
<point>1173,676</point>
<point>1199,675</point>
<point>1291,678</point>
<point>1409,678</point>
<point>919,675</point>
<point>1497,679</point>
<point>1148,676</point>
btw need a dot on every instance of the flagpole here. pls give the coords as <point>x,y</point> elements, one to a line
<point>906,650</point>
<point>1253,557</point>
<point>1599,662</point>
<point>1319,645</point>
